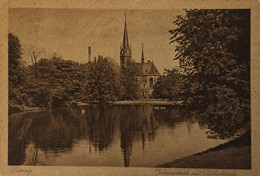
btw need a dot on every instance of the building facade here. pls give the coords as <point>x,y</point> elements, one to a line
<point>146,72</point>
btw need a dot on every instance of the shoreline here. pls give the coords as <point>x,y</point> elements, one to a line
<point>18,108</point>
<point>13,109</point>
<point>137,102</point>
<point>235,154</point>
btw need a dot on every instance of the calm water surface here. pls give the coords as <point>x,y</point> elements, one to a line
<point>104,136</point>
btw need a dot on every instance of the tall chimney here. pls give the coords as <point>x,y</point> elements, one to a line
<point>89,53</point>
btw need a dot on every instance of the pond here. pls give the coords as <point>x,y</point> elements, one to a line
<point>105,135</point>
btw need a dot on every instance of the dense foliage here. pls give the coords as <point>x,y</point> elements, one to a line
<point>129,81</point>
<point>15,70</point>
<point>54,82</point>
<point>103,80</point>
<point>170,86</point>
<point>213,47</point>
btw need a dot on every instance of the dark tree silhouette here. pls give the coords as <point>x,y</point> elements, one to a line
<point>213,47</point>
<point>15,70</point>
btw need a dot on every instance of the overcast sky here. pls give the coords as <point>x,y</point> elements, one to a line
<point>69,32</point>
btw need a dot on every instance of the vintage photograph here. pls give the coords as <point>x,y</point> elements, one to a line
<point>158,88</point>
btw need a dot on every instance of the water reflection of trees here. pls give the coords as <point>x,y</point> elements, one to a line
<point>140,123</point>
<point>49,131</point>
<point>58,130</point>
<point>17,140</point>
<point>100,126</point>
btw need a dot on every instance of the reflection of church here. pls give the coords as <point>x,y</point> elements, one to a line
<point>138,123</point>
<point>147,72</point>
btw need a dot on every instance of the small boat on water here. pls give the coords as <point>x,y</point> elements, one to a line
<point>159,107</point>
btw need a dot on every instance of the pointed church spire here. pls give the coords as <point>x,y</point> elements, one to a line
<point>142,59</point>
<point>125,50</point>
<point>125,39</point>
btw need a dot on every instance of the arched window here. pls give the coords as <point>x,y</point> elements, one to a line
<point>151,82</point>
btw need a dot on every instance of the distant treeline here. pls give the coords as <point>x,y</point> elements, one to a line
<point>53,82</point>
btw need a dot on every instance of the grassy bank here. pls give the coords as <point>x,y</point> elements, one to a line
<point>235,154</point>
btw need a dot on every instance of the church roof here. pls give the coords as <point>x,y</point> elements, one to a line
<point>146,69</point>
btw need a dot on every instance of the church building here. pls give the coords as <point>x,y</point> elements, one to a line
<point>146,72</point>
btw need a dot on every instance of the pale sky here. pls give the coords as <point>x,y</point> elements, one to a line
<point>69,33</point>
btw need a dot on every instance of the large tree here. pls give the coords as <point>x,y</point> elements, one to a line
<point>102,80</point>
<point>214,48</point>
<point>15,70</point>
<point>54,82</point>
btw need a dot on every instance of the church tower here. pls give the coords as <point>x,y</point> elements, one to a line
<point>125,50</point>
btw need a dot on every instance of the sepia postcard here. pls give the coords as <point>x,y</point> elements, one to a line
<point>130,88</point>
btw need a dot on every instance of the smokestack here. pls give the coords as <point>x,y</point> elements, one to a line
<point>89,53</point>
